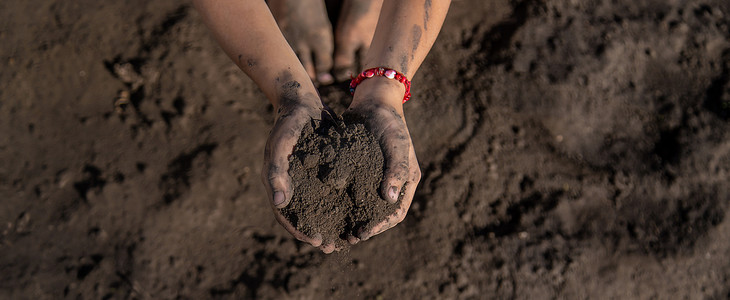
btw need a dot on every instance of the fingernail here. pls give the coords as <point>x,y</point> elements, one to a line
<point>352,239</point>
<point>362,234</point>
<point>393,193</point>
<point>317,240</point>
<point>279,198</point>
<point>324,78</point>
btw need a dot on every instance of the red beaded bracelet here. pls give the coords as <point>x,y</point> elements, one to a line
<point>387,73</point>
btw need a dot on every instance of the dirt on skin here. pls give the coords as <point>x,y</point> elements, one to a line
<point>569,150</point>
<point>336,169</point>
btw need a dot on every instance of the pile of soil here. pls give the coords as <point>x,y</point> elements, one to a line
<point>569,150</point>
<point>336,169</point>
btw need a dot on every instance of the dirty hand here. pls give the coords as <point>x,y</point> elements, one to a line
<point>306,27</point>
<point>291,117</point>
<point>378,102</point>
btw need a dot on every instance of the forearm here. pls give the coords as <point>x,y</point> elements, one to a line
<point>405,34</point>
<point>249,35</point>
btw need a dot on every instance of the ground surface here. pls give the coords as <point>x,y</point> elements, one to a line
<point>570,149</point>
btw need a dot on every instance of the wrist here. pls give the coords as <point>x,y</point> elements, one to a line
<point>294,92</point>
<point>380,90</point>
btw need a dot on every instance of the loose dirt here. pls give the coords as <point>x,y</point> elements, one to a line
<point>569,150</point>
<point>336,169</point>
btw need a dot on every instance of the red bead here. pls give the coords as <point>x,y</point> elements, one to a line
<point>386,72</point>
<point>390,73</point>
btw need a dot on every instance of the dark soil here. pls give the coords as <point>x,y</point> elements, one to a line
<point>569,150</point>
<point>336,169</point>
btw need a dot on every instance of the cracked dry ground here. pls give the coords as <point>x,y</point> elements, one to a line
<point>570,149</point>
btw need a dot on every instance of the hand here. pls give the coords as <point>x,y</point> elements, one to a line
<point>379,105</point>
<point>354,33</point>
<point>306,27</point>
<point>292,116</point>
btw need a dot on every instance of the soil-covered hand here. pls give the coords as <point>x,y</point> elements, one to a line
<point>291,117</point>
<point>306,27</point>
<point>383,116</point>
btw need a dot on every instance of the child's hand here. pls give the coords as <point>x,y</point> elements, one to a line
<point>291,118</point>
<point>382,111</point>
<point>354,33</point>
<point>306,27</point>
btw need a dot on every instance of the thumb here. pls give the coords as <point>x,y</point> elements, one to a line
<point>277,182</point>
<point>281,192</point>
<point>395,175</point>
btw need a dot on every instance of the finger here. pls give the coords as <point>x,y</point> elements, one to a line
<point>386,224</point>
<point>276,167</point>
<point>352,239</point>
<point>344,61</point>
<point>327,249</point>
<point>276,176</point>
<point>409,192</point>
<point>365,235</point>
<point>325,78</point>
<point>361,53</point>
<point>275,183</point>
<point>265,180</point>
<point>315,241</point>
<point>402,211</point>
<point>395,151</point>
<point>323,60</point>
<point>280,188</point>
<point>305,56</point>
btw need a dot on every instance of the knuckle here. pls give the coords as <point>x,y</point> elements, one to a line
<point>399,171</point>
<point>273,172</point>
<point>402,166</point>
<point>399,166</point>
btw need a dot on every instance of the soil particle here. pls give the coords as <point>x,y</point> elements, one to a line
<point>336,169</point>
<point>569,150</point>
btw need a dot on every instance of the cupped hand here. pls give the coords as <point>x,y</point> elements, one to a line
<point>383,116</point>
<point>291,118</point>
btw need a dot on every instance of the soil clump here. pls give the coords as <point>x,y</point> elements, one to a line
<point>568,150</point>
<point>336,169</point>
